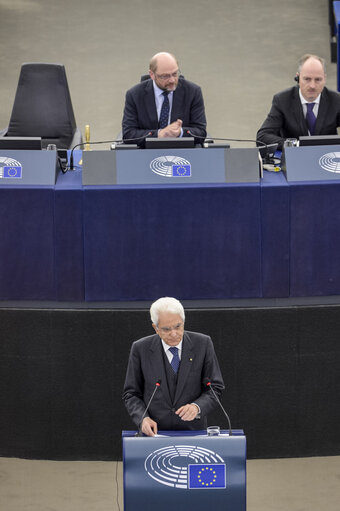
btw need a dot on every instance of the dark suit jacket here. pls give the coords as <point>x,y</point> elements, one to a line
<point>286,118</point>
<point>140,113</point>
<point>146,366</point>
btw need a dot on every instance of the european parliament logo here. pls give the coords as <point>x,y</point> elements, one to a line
<point>207,476</point>
<point>171,166</point>
<point>186,467</point>
<point>330,162</point>
<point>10,168</point>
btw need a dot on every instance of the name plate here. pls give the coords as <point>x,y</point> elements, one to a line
<point>170,166</point>
<point>20,167</point>
<point>318,163</point>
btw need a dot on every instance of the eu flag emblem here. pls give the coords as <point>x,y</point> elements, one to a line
<point>181,171</point>
<point>207,476</point>
<point>13,172</point>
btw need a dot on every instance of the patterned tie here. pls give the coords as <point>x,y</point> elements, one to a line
<point>164,117</point>
<point>175,359</point>
<point>310,117</point>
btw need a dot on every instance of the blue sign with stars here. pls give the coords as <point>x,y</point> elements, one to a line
<point>207,476</point>
<point>13,172</point>
<point>181,170</point>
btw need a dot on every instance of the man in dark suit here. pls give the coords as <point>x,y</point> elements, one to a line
<point>166,105</point>
<point>180,361</point>
<point>307,109</point>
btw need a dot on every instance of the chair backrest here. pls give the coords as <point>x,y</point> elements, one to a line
<point>42,105</point>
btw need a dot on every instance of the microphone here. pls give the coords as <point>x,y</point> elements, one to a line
<point>116,141</point>
<point>227,139</point>
<point>157,385</point>
<point>208,384</point>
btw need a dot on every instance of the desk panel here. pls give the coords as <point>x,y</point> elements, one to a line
<point>314,239</point>
<point>192,243</point>
<point>74,243</point>
<point>27,243</point>
<point>275,235</point>
<point>69,250</point>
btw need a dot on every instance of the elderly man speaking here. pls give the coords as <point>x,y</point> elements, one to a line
<point>178,362</point>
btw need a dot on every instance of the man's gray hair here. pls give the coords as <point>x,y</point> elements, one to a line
<point>307,56</point>
<point>166,304</point>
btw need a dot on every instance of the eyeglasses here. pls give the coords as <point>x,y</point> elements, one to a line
<point>168,76</point>
<point>168,329</point>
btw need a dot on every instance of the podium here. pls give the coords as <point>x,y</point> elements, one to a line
<point>184,470</point>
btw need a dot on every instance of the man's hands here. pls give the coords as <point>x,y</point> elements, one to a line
<point>187,412</point>
<point>149,427</point>
<point>172,130</point>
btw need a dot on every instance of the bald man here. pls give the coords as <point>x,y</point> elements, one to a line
<point>289,116</point>
<point>183,111</point>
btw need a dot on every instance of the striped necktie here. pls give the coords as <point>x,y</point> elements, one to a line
<point>310,118</point>
<point>175,359</point>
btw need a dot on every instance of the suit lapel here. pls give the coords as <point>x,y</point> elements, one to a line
<point>177,101</point>
<point>157,366</point>
<point>150,104</point>
<point>185,366</point>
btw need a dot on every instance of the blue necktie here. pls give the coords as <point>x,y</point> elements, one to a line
<point>175,359</point>
<point>164,117</point>
<point>310,117</point>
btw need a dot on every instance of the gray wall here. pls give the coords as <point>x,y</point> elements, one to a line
<point>239,51</point>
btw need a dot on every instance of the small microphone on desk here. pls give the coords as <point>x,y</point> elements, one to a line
<point>208,384</point>
<point>211,139</point>
<point>157,385</point>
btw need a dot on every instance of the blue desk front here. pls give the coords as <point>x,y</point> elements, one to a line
<point>192,242</point>
<point>74,243</point>
<point>184,470</point>
<point>41,249</point>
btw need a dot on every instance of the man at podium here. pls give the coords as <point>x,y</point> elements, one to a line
<point>307,109</point>
<point>165,105</point>
<point>164,385</point>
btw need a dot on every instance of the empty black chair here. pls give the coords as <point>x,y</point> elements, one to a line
<point>43,107</point>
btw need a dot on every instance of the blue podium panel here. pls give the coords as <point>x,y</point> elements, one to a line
<point>69,250</point>
<point>20,168</point>
<point>315,239</point>
<point>192,242</point>
<point>312,163</point>
<point>27,256</point>
<point>275,235</point>
<point>185,472</point>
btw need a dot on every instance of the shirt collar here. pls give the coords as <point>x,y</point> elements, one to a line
<point>167,347</point>
<point>158,92</point>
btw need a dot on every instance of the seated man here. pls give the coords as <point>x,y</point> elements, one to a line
<point>165,106</point>
<point>307,109</point>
